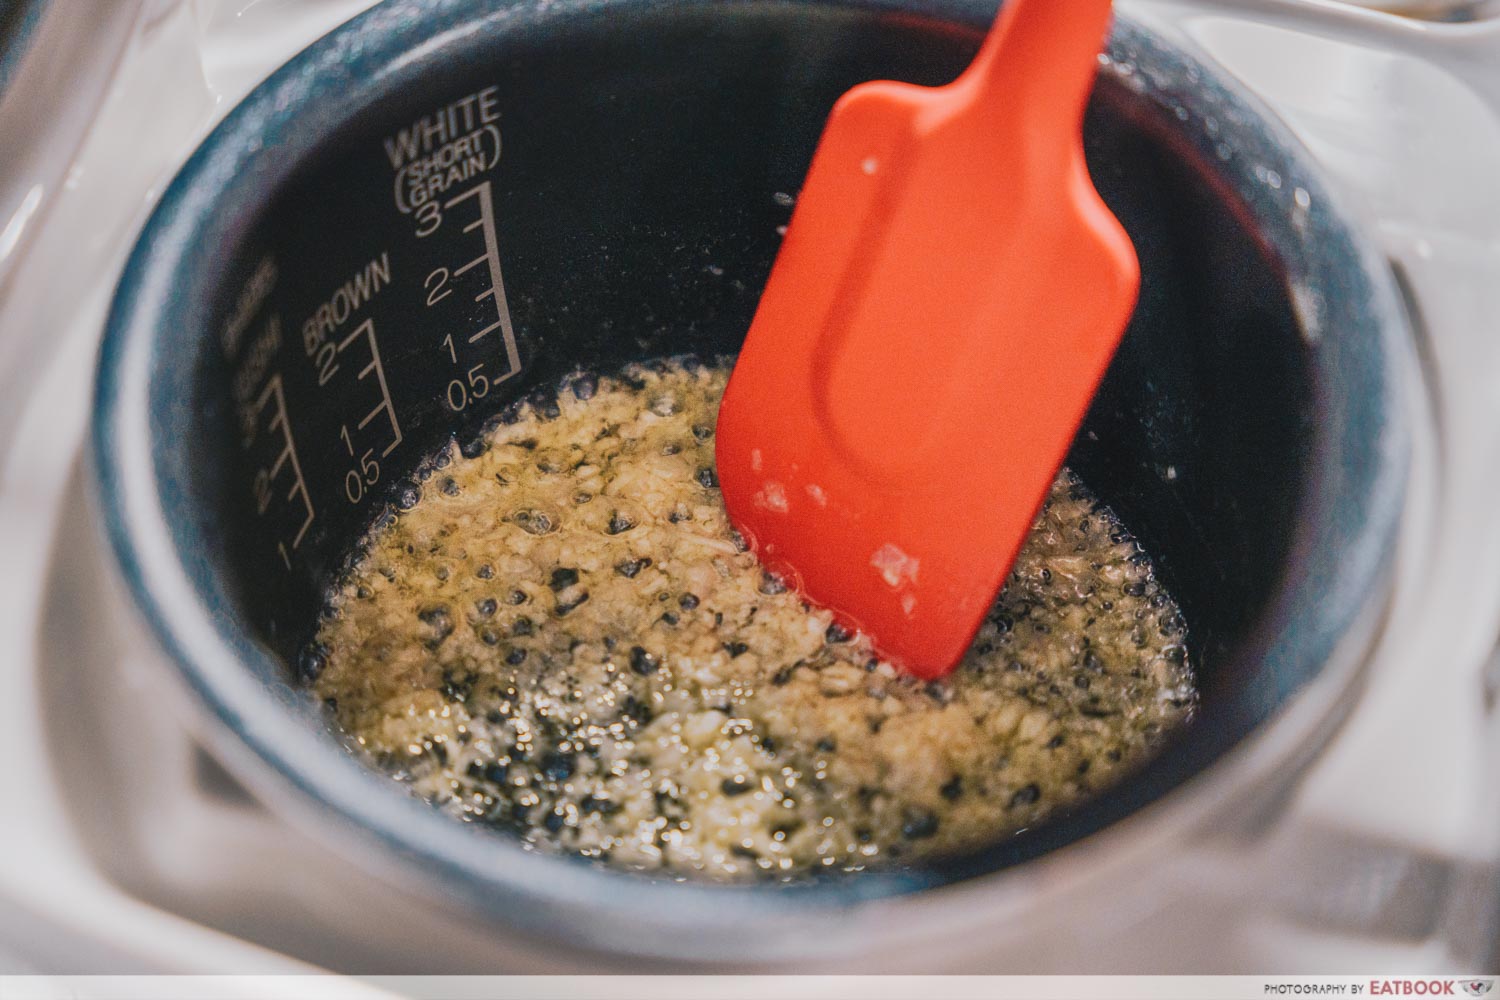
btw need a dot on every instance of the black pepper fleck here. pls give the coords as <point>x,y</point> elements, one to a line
<point>557,767</point>
<point>1025,796</point>
<point>919,825</point>
<point>643,662</point>
<point>311,660</point>
<point>737,785</point>
<point>630,567</point>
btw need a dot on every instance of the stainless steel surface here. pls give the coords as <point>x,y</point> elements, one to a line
<point>1434,10</point>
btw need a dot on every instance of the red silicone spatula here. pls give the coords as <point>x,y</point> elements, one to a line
<point>949,293</point>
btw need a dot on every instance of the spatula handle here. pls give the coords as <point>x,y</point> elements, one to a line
<point>1043,53</point>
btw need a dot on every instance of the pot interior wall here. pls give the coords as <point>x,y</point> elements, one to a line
<point>646,159</point>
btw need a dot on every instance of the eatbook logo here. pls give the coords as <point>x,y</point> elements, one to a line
<point>1478,987</point>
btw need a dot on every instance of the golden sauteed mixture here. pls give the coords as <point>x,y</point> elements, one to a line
<point>564,638</point>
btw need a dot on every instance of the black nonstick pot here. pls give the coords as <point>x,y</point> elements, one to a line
<point>444,206</point>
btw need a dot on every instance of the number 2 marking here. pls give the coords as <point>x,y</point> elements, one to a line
<point>437,286</point>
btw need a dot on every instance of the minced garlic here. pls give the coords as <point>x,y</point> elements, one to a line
<point>564,638</point>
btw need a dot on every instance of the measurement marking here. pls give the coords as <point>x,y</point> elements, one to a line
<point>472,264</point>
<point>484,295</point>
<point>367,330</point>
<point>288,453</point>
<point>482,193</point>
<point>488,329</point>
